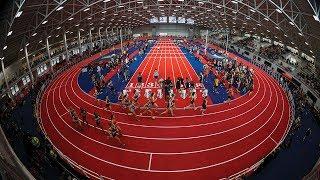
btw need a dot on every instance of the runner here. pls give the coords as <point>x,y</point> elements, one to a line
<point>114,130</point>
<point>170,106</point>
<point>204,105</point>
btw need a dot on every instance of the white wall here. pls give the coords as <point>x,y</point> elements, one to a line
<point>170,29</point>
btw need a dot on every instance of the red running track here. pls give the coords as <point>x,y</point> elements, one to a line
<point>171,63</point>
<point>226,141</point>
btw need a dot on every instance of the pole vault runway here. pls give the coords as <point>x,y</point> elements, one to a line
<point>226,142</point>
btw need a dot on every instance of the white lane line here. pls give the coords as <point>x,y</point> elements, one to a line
<point>202,124</point>
<point>273,140</point>
<point>151,70</point>
<point>173,72</point>
<point>143,62</point>
<point>176,138</point>
<point>150,160</point>
<point>177,170</point>
<point>282,97</point>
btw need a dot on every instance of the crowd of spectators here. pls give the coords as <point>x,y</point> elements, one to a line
<point>272,52</point>
<point>312,81</point>
<point>244,43</point>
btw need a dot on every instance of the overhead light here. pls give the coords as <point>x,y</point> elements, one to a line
<point>106,1</point>
<point>103,12</point>
<point>234,2</point>
<point>291,23</point>
<point>140,2</point>
<point>77,25</point>
<point>59,8</point>
<point>286,35</point>
<point>18,14</point>
<point>34,34</point>
<point>89,18</point>
<point>57,35</point>
<point>316,18</point>
<point>300,34</point>
<point>21,49</point>
<point>121,6</point>
<point>87,9</point>
<point>27,44</point>
<point>277,27</point>
<point>9,33</point>
<point>306,43</point>
<point>116,14</point>
<point>129,10</point>
<point>40,41</point>
<point>311,51</point>
<point>103,19</point>
<point>70,18</point>
<point>279,10</point>
<point>266,19</point>
<point>252,10</point>
<point>59,27</point>
<point>44,22</point>
<point>5,47</point>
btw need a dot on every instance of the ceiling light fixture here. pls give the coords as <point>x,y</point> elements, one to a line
<point>44,22</point>
<point>59,8</point>
<point>9,33</point>
<point>18,14</point>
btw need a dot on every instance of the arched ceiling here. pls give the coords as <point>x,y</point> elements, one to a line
<point>292,22</point>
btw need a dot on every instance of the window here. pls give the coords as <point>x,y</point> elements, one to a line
<point>181,20</point>
<point>55,61</point>
<point>154,20</point>
<point>14,89</point>
<point>42,68</point>
<point>172,19</point>
<point>190,21</point>
<point>163,19</point>
<point>25,80</point>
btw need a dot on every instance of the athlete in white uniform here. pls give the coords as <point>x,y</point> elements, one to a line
<point>159,93</point>
<point>147,93</point>
<point>183,93</point>
<point>205,93</point>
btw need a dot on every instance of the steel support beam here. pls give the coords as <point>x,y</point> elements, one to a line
<point>79,42</point>
<point>121,40</point>
<point>90,38</point>
<point>99,33</point>
<point>28,64</point>
<point>205,50</point>
<point>49,55</point>
<point>66,46</point>
<point>5,77</point>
